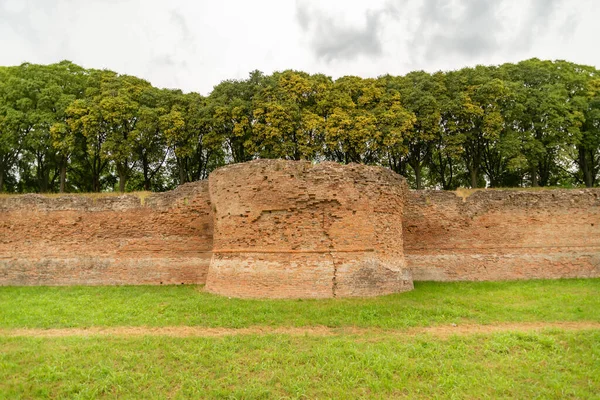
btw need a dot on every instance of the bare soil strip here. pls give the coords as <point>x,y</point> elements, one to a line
<point>192,331</point>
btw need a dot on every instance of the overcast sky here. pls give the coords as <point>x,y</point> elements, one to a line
<point>193,45</point>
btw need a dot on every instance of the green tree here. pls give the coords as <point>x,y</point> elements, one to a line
<point>531,123</point>
<point>231,108</point>
<point>286,120</point>
<point>193,136</point>
<point>84,118</point>
<point>421,93</point>
<point>69,85</point>
<point>119,104</point>
<point>10,132</point>
<point>588,146</point>
<point>149,141</point>
<point>548,121</point>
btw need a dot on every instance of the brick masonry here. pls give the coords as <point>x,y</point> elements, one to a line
<point>165,238</point>
<point>503,234</point>
<point>294,229</point>
<point>303,231</point>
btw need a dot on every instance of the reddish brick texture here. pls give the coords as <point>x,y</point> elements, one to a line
<point>165,238</point>
<point>503,234</point>
<point>286,229</point>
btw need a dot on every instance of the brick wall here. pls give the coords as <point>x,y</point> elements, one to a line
<point>165,238</point>
<point>503,234</point>
<point>293,229</point>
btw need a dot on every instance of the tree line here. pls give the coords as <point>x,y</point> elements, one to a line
<point>64,128</point>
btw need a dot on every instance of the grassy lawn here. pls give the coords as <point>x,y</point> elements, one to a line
<point>375,363</point>
<point>430,303</point>
<point>545,365</point>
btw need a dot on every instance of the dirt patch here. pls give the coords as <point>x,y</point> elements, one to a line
<point>191,331</point>
<point>471,329</point>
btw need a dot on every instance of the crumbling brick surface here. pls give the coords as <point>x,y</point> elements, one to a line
<point>82,240</point>
<point>503,234</point>
<point>294,229</point>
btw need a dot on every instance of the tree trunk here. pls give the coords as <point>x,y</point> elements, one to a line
<point>63,176</point>
<point>593,168</point>
<point>417,169</point>
<point>449,184</point>
<point>588,177</point>
<point>585,168</point>
<point>474,180</point>
<point>123,173</point>
<point>182,172</point>
<point>146,169</point>
<point>534,177</point>
<point>43,177</point>
<point>122,181</point>
<point>44,182</point>
<point>96,171</point>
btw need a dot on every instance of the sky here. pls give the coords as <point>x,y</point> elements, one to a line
<point>194,45</point>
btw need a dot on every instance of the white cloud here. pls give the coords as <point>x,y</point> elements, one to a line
<point>195,45</point>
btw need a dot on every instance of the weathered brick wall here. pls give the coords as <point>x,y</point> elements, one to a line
<point>83,240</point>
<point>293,229</point>
<point>503,234</point>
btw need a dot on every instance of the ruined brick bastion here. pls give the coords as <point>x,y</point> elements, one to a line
<point>287,229</point>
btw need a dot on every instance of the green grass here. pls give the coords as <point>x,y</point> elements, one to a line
<point>546,365</point>
<point>429,304</point>
<point>373,364</point>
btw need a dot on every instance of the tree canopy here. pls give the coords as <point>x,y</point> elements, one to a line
<point>64,128</point>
